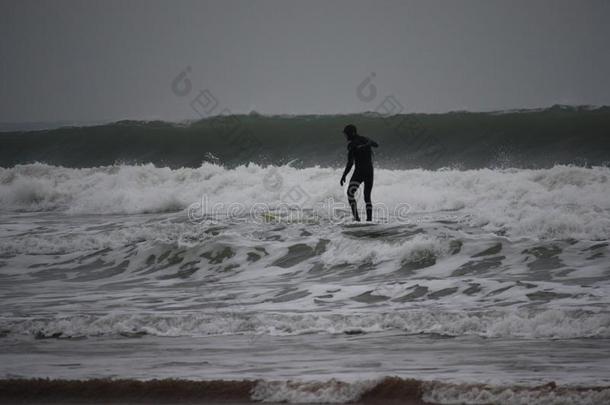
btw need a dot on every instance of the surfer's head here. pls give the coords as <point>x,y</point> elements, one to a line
<point>350,131</point>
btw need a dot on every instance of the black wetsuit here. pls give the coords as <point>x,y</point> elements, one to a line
<point>359,153</point>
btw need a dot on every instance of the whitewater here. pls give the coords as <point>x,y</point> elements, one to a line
<point>257,273</point>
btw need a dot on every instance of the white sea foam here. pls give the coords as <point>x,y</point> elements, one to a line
<point>303,392</point>
<point>559,202</point>
<point>162,275</point>
<point>564,324</point>
<point>485,395</point>
<point>343,250</point>
<point>335,391</point>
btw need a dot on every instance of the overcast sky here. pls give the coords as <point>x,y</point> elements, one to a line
<point>107,60</point>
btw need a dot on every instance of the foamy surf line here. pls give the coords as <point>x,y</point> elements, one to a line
<point>554,324</point>
<point>383,390</point>
<point>559,202</point>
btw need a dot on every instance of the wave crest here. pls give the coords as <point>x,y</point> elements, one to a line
<point>560,202</point>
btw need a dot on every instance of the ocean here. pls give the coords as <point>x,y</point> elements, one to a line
<point>219,258</point>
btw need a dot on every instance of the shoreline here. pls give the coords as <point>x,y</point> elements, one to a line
<point>389,390</point>
<point>179,391</point>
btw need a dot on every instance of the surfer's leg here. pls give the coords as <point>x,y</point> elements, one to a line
<point>354,183</point>
<point>368,187</point>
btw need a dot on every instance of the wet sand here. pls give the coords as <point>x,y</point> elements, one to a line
<point>168,391</point>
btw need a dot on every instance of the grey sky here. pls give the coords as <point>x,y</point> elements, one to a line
<point>107,60</point>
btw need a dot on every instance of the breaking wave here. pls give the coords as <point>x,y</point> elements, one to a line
<point>515,323</point>
<point>523,139</point>
<point>558,202</point>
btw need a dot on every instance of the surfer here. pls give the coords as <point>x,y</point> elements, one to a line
<point>359,153</point>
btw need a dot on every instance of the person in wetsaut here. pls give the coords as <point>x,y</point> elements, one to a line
<point>359,153</point>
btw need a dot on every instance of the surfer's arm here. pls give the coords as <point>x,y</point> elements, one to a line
<point>369,142</point>
<point>348,166</point>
